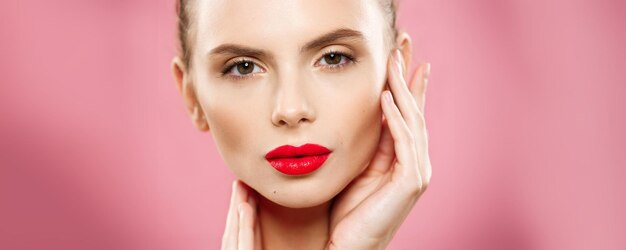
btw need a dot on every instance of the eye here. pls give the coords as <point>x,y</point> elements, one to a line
<point>242,68</point>
<point>335,60</point>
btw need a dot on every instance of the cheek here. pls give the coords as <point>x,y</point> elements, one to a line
<point>225,125</point>
<point>362,125</point>
<point>231,124</point>
<point>357,117</point>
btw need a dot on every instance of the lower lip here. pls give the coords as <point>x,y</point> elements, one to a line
<point>298,166</point>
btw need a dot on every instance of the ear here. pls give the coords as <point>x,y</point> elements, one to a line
<point>404,44</point>
<point>186,89</point>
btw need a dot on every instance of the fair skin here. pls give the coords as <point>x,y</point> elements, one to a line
<point>257,82</point>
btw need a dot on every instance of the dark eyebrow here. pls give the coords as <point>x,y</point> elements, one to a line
<point>327,38</point>
<point>238,50</point>
<point>332,37</point>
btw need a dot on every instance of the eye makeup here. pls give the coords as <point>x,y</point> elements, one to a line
<point>332,60</point>
<point>241,68</point>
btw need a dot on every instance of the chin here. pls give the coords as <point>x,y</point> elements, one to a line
<point>298,200</point>
<point>304,192</point>
<point>307,191</point>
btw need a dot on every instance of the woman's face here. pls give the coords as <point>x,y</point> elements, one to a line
<point>273,73</point>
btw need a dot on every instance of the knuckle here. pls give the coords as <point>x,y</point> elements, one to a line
<point>412,119</point>
<point>419,119</point>
<point>414,188</point>
<point>425,184</point>
<point>408,137</point>
<point>420,112</point>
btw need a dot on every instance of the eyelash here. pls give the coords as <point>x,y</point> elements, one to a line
<point>351,59</point>
<point>234,64</point>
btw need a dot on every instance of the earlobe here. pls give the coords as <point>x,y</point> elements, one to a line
<point>186,89</point>
<point>199,120</point>
<point>404,44</point>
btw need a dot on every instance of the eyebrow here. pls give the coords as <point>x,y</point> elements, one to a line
<point>333,36</point>
<point>237,50</point>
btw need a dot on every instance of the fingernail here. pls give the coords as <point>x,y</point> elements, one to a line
<point>399,62</point>
<point>427,71</point>
<point>234,186</point>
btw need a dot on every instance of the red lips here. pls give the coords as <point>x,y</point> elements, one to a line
<point>301,160</point>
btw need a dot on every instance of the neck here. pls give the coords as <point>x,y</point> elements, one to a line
<point>293,228</point>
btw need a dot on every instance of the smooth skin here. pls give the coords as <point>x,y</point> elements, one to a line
<point>367,214</point>
<point>379,166</point>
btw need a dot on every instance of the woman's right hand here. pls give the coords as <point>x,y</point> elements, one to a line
<point>242,227</point>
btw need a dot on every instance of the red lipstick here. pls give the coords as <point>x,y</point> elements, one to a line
<point>301,160</point>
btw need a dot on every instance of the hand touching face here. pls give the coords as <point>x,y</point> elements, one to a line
<point>277,73</point>
<point>368,212</point>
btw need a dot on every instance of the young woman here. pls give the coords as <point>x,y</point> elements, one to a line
<point>308,105</point>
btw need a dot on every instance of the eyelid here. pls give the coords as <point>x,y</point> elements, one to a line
<point>234,62</point>
<point>349,56</point>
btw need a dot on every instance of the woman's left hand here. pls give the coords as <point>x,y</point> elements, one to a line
<point>367,214</point>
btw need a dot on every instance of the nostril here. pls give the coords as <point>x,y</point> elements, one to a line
<point>291,121</point>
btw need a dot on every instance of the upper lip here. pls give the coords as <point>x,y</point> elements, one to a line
<point>288,151</point>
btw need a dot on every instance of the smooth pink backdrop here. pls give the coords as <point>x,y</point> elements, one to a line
<point>525,109</point>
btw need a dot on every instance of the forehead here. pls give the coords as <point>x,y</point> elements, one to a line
<point>280,23</point>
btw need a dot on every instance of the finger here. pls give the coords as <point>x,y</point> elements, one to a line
<point>424,166</point>
<point>404,141</point>
<point>402,95</point>
<point>385,153</point>
<point>412,113</point>
<point>418,90</point>
<point>246,227</point>
<point>419,83</point>
<point>229,240</point>
<point>252,200</point>
<point>368,222</point>
<point>258,244</point>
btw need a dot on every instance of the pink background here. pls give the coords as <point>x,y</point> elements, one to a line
<point>525,109</point>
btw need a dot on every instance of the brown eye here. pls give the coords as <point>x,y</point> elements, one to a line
<point>245,68</point>
<point>242,68</point>
<point>332,58</point>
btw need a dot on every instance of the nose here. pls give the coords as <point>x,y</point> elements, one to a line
<point>292,106</point>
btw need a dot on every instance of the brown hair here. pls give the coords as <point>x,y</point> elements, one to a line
<point>183,11</point>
